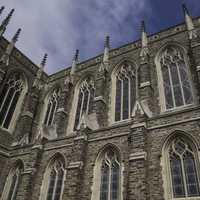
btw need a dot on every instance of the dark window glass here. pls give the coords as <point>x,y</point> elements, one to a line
<point>125,98</point>
<point>51,185</point>
<point>104,182</point>
<point>177,177</point>
<point>118,101</point>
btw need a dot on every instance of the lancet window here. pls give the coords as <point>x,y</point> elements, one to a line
<point>9,98</point>
<point>85,98</point>
<point>52,107</point>
<point>176,83</point>
<point>110,177</point>
<point>12,183</point>
<point>181,169</point>
<point>125,92</point>
<point>53,182</point>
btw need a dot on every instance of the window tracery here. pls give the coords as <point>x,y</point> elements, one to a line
<point>110,177</point>
<point>53,182</point>
<point>177,88</point>
<point>12,183</point>
<point>9,97</point>
<point>125,92</point>
<point>52,107</point>
<point>85,98</point>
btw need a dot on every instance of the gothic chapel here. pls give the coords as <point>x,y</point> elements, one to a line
<point>124,125</point>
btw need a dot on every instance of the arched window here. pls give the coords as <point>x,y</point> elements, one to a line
<point>85,98</point>
<point>107,177</point>
<point>181,159</point>
<point>175,77</point>
<point>124,82</point>
<point>53,182</point>
<point>12,183</point>
<point>52,106</point>
<point>9,97</point>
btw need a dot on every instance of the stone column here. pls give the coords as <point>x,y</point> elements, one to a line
<point>75,168</point>
<point>100,106</point>
<point>137,174</point>
<point>62,112</point>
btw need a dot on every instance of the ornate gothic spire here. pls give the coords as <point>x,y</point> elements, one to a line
<point>189,23</point>
<point>43,62</point>
<point>5,22</point>
<point>37,82</point>
<point>6,56</point>
<point>74,63</point>
<point>145,51</point>
<point>1,9</point>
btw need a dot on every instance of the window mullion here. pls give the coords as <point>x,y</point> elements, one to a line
<point>54,112</point>
<point>81,109</point>
<point>88,101</point>
<point>9,107</point>
<point>109,182</point>
<point>1,106</point>
<point>49,114</point>
<point>184,178</point>
<point>129,97</point>
<point>122,94</point>
<point>15,188</point>
<point>55,185</point>
<point>180,82</point>
<point>171,86</point>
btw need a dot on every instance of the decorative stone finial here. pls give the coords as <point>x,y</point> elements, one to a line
<point>104,65</point>
<point>16,36</point>
<point>1,9</point>
<point>37,82</point>
<point>145,51</point>
<point>189,23</point>
<point>5,59</point>
<point>6,22</point>
<point>43,62</point>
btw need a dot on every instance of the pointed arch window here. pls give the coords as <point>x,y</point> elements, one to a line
<point>52,106</point>
<point>175,76</point>
<point>54,181</point>
<point>9,97</point>
<point>107,183</point>
<point>183,173</point>
<point>125,94</point>
<point>12,183</point>
<point>85,98</point>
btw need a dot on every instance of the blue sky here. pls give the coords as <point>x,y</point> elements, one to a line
<point>58,27</point>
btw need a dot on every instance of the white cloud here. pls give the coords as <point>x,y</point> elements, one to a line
<point>58,27</point>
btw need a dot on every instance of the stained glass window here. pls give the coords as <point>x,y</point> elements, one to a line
<point>85,98</point>
<point>177,88</point>
<point>110,177</point>
<point>9,97</point>
<point>52,107</point>
<point>125,92</point>
<point>56,179</point>
<point>183,170</point>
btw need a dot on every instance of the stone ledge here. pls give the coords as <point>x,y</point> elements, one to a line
<point>138,156</point>
<point>74,165</point>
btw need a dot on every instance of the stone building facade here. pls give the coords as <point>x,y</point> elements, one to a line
<point>122,125</point>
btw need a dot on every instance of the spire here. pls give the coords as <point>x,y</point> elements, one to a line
<point>144,52</point>
<point>37,82</point>
<point>1,9</point>
<point>189,23</point>
<point>6,56</point>
<point>6,22</point>
<point>74,63</point>
<point>43,62</point>
<point>106,49</point>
